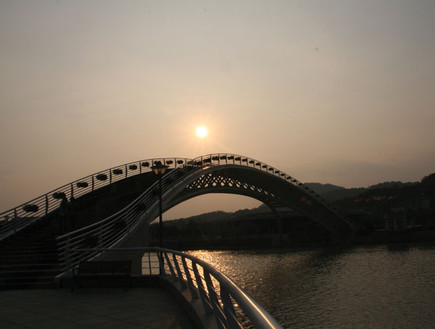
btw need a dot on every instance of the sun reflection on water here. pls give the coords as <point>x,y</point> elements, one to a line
<point>336,288</point>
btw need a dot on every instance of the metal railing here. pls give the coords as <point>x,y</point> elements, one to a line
<point>219,295</point>
<point>109,231</point>
<point>15,219</point>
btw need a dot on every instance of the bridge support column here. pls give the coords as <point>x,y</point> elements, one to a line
<point>278,239</point>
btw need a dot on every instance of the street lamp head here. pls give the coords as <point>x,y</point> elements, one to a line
<point>159,168</point>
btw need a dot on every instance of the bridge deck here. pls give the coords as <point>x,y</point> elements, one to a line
<point>140,307</point>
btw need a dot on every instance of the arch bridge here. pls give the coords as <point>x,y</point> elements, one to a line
<point>185,179</point>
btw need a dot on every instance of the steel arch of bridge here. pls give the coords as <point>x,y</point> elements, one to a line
<point>245,176</point>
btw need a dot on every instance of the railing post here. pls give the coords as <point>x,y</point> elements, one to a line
<point>93,182</point>
<point>126,171</point>
<point>229,312</point>
<point>220,317</point>
<point>149,263</point>
<point>15,220</point>
<point>161,263</point>
<point>205,302</point>
<point>72,190</point>
<point>171,268</point>
<point>46,204</point>
<point>180,275</point>
<point>189,279</point>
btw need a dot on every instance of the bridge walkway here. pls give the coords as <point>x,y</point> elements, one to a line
<point>139,307</point>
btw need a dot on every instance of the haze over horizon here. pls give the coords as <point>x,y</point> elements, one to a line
<point>338,92</point>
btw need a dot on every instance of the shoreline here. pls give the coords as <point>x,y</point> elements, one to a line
<point>287,241</point>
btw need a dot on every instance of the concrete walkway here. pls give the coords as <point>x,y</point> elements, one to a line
<point>139,307</point>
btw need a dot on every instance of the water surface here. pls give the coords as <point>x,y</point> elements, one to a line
<point>375,287</point>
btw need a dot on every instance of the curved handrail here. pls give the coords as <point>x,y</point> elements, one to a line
<point>20,216</point>
<point>219,295</point>
<point>222,306</point>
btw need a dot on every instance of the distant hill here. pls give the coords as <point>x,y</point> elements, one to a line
<point>335,193</point>
<point>323,188</point>
<point>221,215</point>
<point>210,216</point>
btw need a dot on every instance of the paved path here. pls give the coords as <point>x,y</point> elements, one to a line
<point>141,307</point>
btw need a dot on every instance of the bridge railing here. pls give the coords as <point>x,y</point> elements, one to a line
<point>15,219</point>
<point>228,158</point>
<point>109,231</point>
<point>220,296</point>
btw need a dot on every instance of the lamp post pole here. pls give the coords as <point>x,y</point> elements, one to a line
<point>160,213</point>
<point>159,170</point>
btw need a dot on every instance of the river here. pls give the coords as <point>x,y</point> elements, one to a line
<point>364,287</point>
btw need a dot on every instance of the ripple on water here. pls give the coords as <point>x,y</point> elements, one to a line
<point>373,287</point>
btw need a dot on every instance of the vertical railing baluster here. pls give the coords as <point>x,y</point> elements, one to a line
<point>205,302</point>
<point>163,272</point>
<point>161,262</point>
<point>93,182</point>
<point>229,312</point>
<point>189,279</point>
<point>15,220</point>
<point>214,301</point>
<point>46,204</point>
<point>180,275</point>
<point>171,268</point>
<point>149,263</point>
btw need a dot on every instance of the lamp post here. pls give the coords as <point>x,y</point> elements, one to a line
<point>159,170</point>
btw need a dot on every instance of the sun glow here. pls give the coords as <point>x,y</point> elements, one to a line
<point>201,131</point>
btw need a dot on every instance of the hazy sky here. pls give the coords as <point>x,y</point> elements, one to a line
<point>338,92</point>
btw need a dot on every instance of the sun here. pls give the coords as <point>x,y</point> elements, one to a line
<point>201,131</point>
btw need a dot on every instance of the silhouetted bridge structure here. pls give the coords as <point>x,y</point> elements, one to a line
<point>113,208</point>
